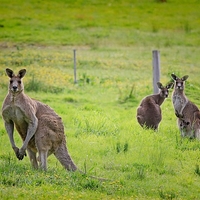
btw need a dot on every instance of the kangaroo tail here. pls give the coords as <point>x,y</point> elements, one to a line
<point>65,159</point>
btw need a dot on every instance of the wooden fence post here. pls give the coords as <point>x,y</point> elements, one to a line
<point>75,81</point>
<point>156,70</point>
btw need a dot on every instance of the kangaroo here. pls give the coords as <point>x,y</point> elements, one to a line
<point>185,128</point>
<point>178,97</point>
<point>185,110</point>
<point>40,128</point>
<point>149,112</point>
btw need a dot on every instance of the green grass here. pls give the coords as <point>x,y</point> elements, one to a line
<point>114,42</point>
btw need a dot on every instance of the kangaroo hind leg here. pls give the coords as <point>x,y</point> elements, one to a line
<point>43,159</point>
<point>33,160</point>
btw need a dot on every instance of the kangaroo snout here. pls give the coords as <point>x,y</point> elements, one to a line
<point>179,87</point>
<point>14,88</point>
<point>166,95</point>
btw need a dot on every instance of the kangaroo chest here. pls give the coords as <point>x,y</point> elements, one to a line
<point>15,114</point>
<point>179,103</point>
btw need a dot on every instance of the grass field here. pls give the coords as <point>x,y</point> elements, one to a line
<point>114,42</point>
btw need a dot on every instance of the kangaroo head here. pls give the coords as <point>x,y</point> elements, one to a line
<point>164,91</point>
<point>179,82</point>
<point>16,84</point>
<point>184,124</point>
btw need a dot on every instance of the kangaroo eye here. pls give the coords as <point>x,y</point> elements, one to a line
<point>11,81</point>
<point>19,82</point>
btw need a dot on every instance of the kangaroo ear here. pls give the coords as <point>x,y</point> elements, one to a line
<point>174,77</point>
<point>160,86</point>
<point>22,73</point>
<point>184,78</point>
<point>9,72</point>
<point>170,85</point>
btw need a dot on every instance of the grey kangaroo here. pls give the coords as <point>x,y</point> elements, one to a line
<point>185,110</point>
<point>149,112</point>
<point>40,128</point>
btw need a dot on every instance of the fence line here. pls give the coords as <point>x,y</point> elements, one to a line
<point>156,69</point>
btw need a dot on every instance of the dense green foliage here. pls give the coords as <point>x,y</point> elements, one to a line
<point>114,42</point>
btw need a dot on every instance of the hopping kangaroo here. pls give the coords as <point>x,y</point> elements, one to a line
<point>185,110</point>
<point>149,112</point>
<point>40,128</point>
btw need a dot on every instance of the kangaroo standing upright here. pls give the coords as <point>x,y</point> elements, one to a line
<point>40,128</point>
<point>149,112</point>
<point>185,110</point>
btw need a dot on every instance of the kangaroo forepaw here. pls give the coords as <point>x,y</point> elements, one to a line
<point>20,154</point>
<point>16,150</point>
<point>178,114</point>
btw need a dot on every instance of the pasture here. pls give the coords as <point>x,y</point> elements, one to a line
<point>114,42</point>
